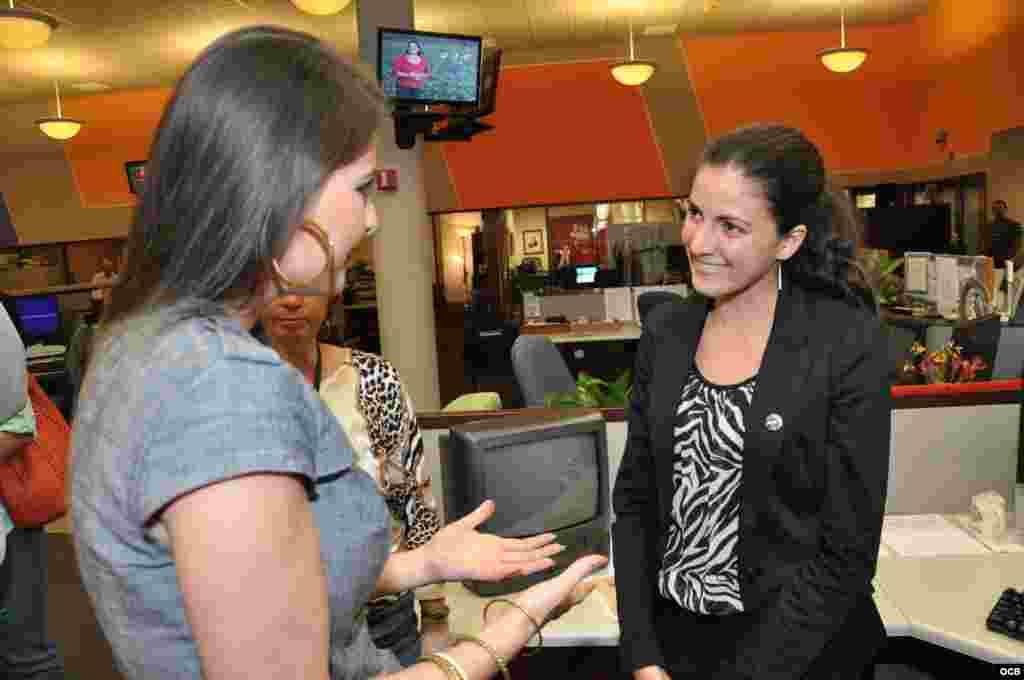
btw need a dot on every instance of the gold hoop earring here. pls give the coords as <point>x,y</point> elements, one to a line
<point>286,286</point>
<point>780,276</point>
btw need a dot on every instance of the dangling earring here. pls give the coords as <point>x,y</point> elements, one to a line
<point>780,276</point>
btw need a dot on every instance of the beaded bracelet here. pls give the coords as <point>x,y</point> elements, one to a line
<point>536,626</point>
<point>498,658</point>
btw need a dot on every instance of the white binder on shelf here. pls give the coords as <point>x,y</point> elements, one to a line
<point>618,304</point>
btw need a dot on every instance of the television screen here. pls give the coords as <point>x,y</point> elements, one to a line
<point>38,316</point>
<point>528,503</point>
<point>544,473</point>
<point>586,274</point>
<point>922,228</point>
<point>136,175</point>
<point>417,67</point>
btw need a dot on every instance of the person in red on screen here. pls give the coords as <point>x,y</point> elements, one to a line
<point>412,70</point>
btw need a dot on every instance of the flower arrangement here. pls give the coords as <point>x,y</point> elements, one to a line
<point>946,365</point>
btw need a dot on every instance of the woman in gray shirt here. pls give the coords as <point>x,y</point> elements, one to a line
<point>222,529</point>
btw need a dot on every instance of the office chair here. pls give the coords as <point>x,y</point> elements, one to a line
<point>76,359</point>
<point>645,302</point>
<point>540,369</point>
<point>487,345</point>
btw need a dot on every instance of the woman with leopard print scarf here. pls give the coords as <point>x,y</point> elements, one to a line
<point>366,394</point>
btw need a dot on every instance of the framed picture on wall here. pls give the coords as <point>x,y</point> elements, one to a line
<point>533,242</point>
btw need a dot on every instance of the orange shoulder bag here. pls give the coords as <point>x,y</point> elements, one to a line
<point>32,481</point>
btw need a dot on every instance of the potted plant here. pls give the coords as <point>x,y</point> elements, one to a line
<point>880,271</point>
<point>593,392</point>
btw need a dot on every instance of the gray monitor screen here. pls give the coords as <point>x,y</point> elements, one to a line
<point>542,485</point>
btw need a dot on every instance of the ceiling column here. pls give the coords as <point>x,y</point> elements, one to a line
<point>403,248</point>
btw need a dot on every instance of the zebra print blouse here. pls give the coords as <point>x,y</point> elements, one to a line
<point>699,567</point>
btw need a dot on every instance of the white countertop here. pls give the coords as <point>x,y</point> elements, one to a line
<point>946,599</point>
<point>943,600</point>
<point>628,332</point>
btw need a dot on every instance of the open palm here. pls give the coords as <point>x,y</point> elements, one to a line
<point>460,552</point>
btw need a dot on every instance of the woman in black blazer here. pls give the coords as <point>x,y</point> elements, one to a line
<point>749,501</point>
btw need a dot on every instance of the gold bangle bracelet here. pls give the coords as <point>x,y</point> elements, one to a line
<point>459,670</point>
<point>498,658</point>
<point>536,626</point>
<point>450,672</point>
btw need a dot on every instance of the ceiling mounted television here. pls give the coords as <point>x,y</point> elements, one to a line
<point>136,171</point>
<point>419,67</point>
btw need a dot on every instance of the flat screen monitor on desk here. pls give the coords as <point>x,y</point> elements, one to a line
<point>999,345</point>
<point>38,317</point>
<point>586,274</point>
<point>544,473</point>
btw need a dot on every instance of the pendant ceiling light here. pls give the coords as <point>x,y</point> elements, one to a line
<point>24,28</point>
<point>59,128</point>
<point>843,59</point>
<point>634,71</point>
<point>321,7</point>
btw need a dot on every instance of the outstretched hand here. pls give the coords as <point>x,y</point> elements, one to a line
<point>550,599</point>
<point>460,552</point>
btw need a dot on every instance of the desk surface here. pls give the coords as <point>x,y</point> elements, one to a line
<point>942,600</point>
<point>946,599</point>
<point>598,332</point>
<point>910,321</point>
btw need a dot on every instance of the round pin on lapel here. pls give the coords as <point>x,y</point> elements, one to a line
<point>773,422</point>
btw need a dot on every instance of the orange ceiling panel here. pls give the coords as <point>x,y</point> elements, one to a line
<point>792,56</point>
<point>563,133</point>
<point>117,127</point>
<point>954,68</point>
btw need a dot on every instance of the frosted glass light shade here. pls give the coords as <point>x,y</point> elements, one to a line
<point>59,128</point>
<point>633,72</point>
<point>22,29</point>
<point>321,7</point>
<point>843,59</point>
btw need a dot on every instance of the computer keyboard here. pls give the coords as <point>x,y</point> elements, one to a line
<point>40,351</point>
<point>1007,616</point>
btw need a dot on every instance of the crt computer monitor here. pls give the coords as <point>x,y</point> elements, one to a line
<point>38,317</point>
<point>453,64</point>
<point>544,473</point>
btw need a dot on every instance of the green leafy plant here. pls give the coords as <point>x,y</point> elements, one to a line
<point>880,268</point>
<point>593,392</point>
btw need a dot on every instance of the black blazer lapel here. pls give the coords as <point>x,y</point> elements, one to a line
<point>674,362</point>
<point>780,381</point>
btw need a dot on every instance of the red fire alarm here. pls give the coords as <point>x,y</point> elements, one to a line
<point>387,180</point>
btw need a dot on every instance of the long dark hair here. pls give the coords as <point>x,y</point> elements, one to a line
<point>251,133</point>
<point>791,172</point>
